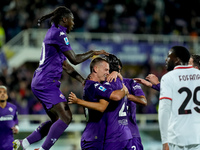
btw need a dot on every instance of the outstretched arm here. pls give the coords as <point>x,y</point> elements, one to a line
<point>143,81</point>
<point>79,58</point>
<point>153,79</point>
<point>99,106</point>
<point>102,104</point>
<point>72,72</point>
<point>138,99</point>
<point>154,82</point>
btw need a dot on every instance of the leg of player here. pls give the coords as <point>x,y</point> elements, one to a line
<point>37,135</point>
<point>53,128</point>
<point>58,127</point>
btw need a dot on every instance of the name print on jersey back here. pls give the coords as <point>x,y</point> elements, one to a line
<point>181,86</point>
<point>189,77</point>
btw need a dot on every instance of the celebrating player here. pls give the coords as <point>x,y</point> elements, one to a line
<point>45,83</point>
<point>135,96</point>
<point>96,99</point>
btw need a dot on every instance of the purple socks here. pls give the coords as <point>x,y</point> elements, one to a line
<point>54,133</point>
<point>40,132</point>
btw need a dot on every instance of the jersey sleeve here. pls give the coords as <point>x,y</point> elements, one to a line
<point>60,38</point>
<point>103,91</point>
<point>63,42</point>
<point>136,89</point>
<point>156,87</point>
<point>165,88</point>
<point>163,118</point>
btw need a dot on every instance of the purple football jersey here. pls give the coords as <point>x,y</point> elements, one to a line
<point>116,117</point>
<point>45,83</point>
<point>8,119</point>
<point>135,89</point>
<point>52,57</point>
<point>95,127</point>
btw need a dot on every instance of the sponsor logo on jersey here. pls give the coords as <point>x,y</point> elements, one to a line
<point>6,118</point>
<point>62,33</point>
<point>123,122</point>
<point>66,41</point>
<point>102,88</point>
<point>62,96</point>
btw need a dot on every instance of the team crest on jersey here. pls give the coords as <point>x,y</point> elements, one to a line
<point>10,109</point>
<point>102,88</point>
<point>62,96</point>
<point>66,41</point>
<point>62,33</point>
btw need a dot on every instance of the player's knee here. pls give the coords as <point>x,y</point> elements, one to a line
<point>67,118</point>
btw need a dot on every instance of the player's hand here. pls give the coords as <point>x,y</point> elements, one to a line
<point>165,146</point>
<point>112,76</point>
<point>144,82</point>
<point>125,89</point>
<point>15,130</point>
<point>72,99</point>
<point>153,79</point>
<point>101,52</point>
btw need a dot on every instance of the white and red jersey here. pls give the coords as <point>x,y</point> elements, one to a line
<point>179,106</point>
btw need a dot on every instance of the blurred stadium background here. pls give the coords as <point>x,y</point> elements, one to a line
<point>139,32</point>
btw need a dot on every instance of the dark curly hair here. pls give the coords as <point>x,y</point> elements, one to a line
<point>114,62</point>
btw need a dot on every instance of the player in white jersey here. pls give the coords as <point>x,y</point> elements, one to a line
<point>179,105</point>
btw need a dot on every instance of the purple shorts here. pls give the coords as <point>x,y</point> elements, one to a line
<point>91,145</point>
<point>49,96</point>
<point>123,145</point>
<point>137,143</point>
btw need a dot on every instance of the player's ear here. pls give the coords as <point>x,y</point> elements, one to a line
<point>95,69</point>
<point>64,19</point>
<point>178,61</point>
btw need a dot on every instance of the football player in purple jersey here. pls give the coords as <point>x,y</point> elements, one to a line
<point>135,96</point>
<point>45,83</point>
<point>96,99</point>
<point>118,135</point>
<point>8,121</point>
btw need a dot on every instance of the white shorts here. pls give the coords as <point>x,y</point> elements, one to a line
<point>188,147</point>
